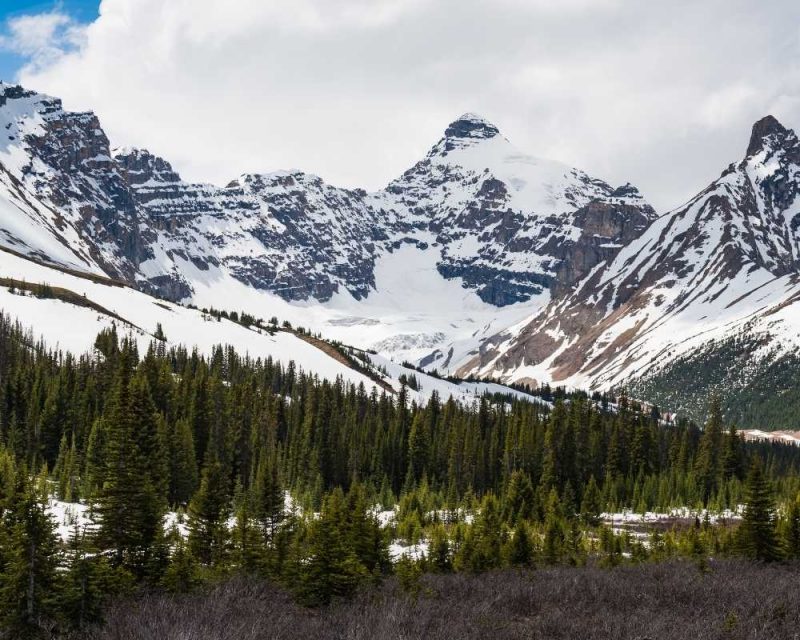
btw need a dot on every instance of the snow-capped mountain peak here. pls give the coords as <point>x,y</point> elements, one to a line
<point>698,272</point>
<point>769,132</point>
<point>503,227</point>
<point>471,125</point>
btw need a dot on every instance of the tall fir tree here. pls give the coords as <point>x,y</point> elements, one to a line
<point>29,582</point>
<point>708,463</point>
<point>758,535</point>
<point>209,511</point>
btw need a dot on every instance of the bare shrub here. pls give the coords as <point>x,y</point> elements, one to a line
<point>732,600</point>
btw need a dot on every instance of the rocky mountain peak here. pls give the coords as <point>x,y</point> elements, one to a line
<point>13,92</point>
<point>140,166</point>
<point>628,191</point>
<point>471,125</point>
<point>763,129</point>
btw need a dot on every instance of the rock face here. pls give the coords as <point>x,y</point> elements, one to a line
<point>508,223</point>
<point>58,173</point>
<point>511,226</point>
<point>725,263</point>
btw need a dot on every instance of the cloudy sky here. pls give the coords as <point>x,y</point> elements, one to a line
<point>661,94</point>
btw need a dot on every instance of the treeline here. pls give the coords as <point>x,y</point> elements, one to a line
<point>759,392</point>
<point>224,439</point>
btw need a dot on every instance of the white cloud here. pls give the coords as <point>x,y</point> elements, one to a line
<point>661,94</point>
<point>42,38</point>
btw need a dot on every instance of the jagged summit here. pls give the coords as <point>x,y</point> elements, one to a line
<point>626,190</point>
<point>140,166</point>
<point>471,125</point>
<point>762,129</point>
<point>13,91</point>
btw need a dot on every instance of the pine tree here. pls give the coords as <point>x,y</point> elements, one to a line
<point>757,535</point>
<point>482,550</point>
<point>418,449</point>
<point>520,497</point>
<point>792,530</point>
<point>88,582</point>
<point>365,533</point>
<point>732,455</point>
<point>247,542</point>
<point>209,511</point>
<point>268,496</point>
<point>591,504</point>
<point>29,581</point>
<point>328,567</point>
<point>181,575</point>
<point>554,535</point>
<point>130,506</point>
<point>519,548</point>
<point>182,463</point>
<point>708,462</point>
<point>65,470</point>
<point>439,555</point>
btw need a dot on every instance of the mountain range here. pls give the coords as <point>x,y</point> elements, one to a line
<point>480,261</point>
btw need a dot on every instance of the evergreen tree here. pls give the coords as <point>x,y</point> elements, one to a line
<point>328,567</point>
<point>758,537</point>
<point>520,497</point>
<point>181,575</point>
<point>482,550</point>
<point>209,511</point>
<point>519,548</point>
<point>591,504</point>
<point>129,505</point>
<point>732,455</point>
<point>555,534</point>
<point>88,582</point>
<point>29,580</point>
<point>708,463</point>
<point>792,530</point>
<point>439,556</point>
<point>268,496</point>
<point>182,463</point>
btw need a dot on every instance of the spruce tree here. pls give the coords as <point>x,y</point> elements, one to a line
<point>519,548</point>
<point>708,462</point>
<point>591,504</point>
<point>482,550</point>
<point>757,535</point>
<point>130,505</point>
<point>439,551</point>
<point>555,534</point>
<point>88,582</point>
<point>732,455</point>
<point>182,463</point>
<point>209,511</point>
<point>792,530</point>
<point>520,497</point>
<point>327,565</point>
<point>268,496</point>
<point>29,580</point>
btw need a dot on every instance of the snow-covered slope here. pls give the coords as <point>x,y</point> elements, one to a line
<point>72,324</point>
<point>725,264</point>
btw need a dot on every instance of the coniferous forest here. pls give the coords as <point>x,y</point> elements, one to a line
<point>195,473</point>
